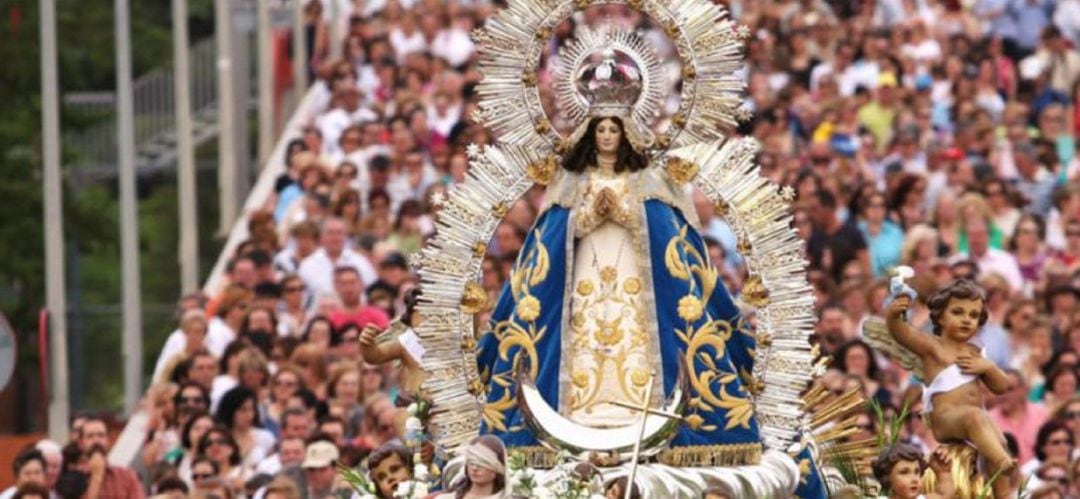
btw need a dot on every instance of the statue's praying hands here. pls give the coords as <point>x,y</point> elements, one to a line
<point>606,203</point>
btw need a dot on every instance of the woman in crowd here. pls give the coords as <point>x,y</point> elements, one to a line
<point>190,437</point>
<point>1054,442</point>
<point>238,411</point>
<point>856,358</point>
<point>319,332</point>
<point>219,445</point>
<point>284,384</point>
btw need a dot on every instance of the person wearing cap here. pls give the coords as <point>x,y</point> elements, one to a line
<point>320,470</point>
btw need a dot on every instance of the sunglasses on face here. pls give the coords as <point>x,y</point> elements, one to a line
<point>201,476</point>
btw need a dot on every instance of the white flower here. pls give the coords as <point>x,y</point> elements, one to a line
<point>413,424</point>
<point>420,472</point>
<point>412,409</point>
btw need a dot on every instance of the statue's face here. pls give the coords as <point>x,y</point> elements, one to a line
<point>904,479</point>
<point>608,136</point>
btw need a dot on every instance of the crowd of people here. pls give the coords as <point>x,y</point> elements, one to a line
<point>935,134</point>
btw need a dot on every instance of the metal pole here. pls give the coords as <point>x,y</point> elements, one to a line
<point>226,118</point>
<point>54,227</point>
<point>129,222</point>
<point>299,38</point>
<point>185,171</point>
<point>266,82</point>
<point>335,30</point>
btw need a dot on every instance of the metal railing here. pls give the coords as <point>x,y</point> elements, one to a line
<point>155,114</point>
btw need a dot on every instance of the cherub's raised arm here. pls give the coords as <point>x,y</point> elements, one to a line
<point>912,339</point>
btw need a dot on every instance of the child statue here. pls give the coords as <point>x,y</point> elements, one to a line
<point>953,400</point>
<point>899,470</point>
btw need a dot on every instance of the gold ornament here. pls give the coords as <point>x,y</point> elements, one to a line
<point>690,308</point>
<point>694,421</point>
<point>608,274</point>
<point>689,72</point>
<point>585,287</point>
<point>474,299</point>
<point>501,209</point>
<point>479,248</point>
<point>681,171</point>
<point>754,292</point>
<point>639,377</point>
<point>632,285</point>
<point>542,171</point>
<point>528,308</point>
<point>529,79</point>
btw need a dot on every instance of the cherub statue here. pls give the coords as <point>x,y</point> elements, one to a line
<point>899,470</point>
<point>404,347</point>
<point>953,400</point>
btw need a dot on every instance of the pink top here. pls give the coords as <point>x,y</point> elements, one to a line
<point>1025,427</point>
<point>362,317</point>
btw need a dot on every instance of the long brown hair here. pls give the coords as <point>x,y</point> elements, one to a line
<point>583,154</point>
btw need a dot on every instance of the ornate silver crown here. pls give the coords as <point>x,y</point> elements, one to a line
<point>609,86</point>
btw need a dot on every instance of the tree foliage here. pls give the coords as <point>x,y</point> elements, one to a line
<point>86,63</point>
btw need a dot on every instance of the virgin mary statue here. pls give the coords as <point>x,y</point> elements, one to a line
<point>613,290</point>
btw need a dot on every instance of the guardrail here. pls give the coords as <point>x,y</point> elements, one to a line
<point>154,110</point>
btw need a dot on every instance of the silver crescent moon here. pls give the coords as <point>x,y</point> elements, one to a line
<point>561,434</point>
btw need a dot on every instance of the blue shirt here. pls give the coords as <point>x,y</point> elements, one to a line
<point>884,247</point>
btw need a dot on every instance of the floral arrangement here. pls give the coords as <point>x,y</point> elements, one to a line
<point>560,483</point>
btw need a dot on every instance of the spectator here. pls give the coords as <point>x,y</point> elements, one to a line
<point>1014,414</point>
<point>349,287</point>
<point>110,481</point>
<point>190,436</point>
<point>1054,442</point>
<point>238,411</point>
<point>317,270</point>
<point>29,469</point>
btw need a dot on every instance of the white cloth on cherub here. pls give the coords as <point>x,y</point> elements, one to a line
<point>947,380</point>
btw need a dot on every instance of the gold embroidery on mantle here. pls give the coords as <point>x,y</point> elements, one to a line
<point>530,270</point>
<point>705,339</point>
<point>723,455</point>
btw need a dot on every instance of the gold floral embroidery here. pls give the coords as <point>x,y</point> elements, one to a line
<point>608,274</point>
<point>690,308</point>
<point>604,314</point>
<point>608,332</point>
<point>530,270</point>
<point>528,308</point>
<point>706,341</point>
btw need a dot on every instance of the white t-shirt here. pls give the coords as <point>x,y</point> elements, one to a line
<point>317,270</point>
<point>218,336</point>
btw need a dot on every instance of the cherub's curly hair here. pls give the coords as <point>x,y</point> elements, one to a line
<point>892,455</point>
<point>963,289</point>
